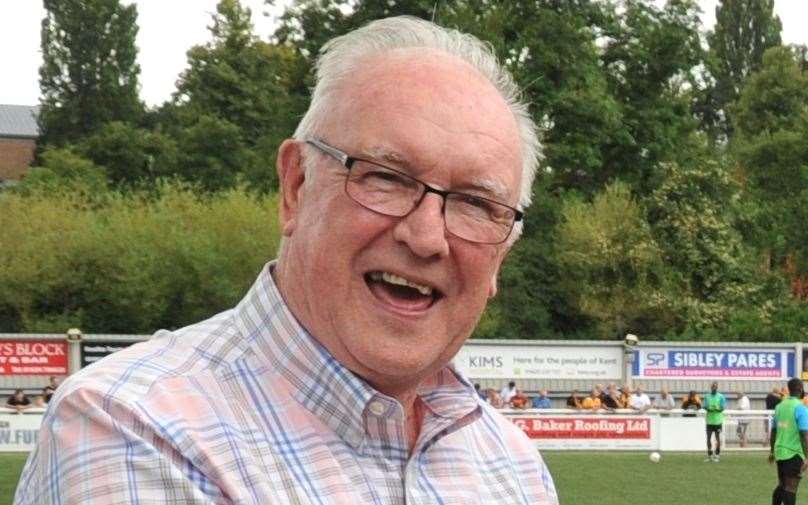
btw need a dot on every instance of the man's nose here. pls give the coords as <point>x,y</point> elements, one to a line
<point>424,229</point>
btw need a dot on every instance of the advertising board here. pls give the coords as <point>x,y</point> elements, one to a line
<point>590,432</point>
<point>480,361</point>
<point>713,363</point>
<point>33,357</point>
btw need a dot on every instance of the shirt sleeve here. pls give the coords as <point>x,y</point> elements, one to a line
<point>801,414</point>
<point>92,449</point>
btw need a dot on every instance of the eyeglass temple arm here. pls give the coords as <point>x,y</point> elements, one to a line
<point>331,151</point>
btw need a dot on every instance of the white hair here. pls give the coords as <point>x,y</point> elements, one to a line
<point>340,56</point>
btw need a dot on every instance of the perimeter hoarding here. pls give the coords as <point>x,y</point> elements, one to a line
<point>19,432</point>
<point>737,363</point>
<point>483,361</point>
<point>94,350</point>
<point>590,432</point>
<point>33,357</point>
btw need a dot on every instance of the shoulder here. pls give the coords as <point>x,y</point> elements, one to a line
<point>130,374</point>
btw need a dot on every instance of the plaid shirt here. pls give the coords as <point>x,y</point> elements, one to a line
<point>248,408</point>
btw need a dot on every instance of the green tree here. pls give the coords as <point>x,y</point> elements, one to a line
<point>744,30</point>
<point>650,56</point>
<point>692,215</point>
<point>132,156</point>
<point>611,264</point>
<point>89,75</point>
<point>235,79</point>
<point>771,127</point>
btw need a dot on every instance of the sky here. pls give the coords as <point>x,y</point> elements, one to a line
<point>168,28</point>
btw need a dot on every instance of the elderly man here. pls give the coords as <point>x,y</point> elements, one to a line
<point>331,382</point>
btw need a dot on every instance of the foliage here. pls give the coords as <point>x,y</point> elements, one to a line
<point>772,125</point>
<point>248,91</point>
<point>131,265</point>
<point>89,75</point>
<point>63,171</point>
<point>650,55</point>
<point>131,155</point>
<point>691,214</point>
<point>611,263</point>
<point>743,31</point>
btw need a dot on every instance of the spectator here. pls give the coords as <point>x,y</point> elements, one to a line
<point>508,391</point>
<point>639,400</point>
<point>625,396</point>
<point>542,401</point>
<point>592,401</point>
<point>773,398</point>
<point>39,402</point>
<point>519,400</point>
<point>18,401</point>
<point>664,400</point>
<point>743,422</point>
<point>48,391</point>
<point>480,393</point>
<point>611,399</point>
<point>691,403</point>
<point>574,400</point>
<point>493,399</point>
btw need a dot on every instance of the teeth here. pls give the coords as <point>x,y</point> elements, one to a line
<point>401,281</point>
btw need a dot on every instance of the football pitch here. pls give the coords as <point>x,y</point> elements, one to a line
<point>610,478</point>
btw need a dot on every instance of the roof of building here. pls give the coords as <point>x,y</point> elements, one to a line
<point>19,121</point>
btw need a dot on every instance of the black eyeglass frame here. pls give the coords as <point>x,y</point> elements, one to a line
<point>347,161</point>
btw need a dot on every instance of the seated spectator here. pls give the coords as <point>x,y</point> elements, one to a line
<point>664,400</point>
<point>493,399</point>
<point>592,401</point>
<point>574,400</point>
<point>519,400</point>
<point>47,392</point>
<point>639,400</point>
<point>692,403</point>
<point>611,398</point>
<point>18,401</point>
<point>542,401</point>
<point>507,392</point>
<point>625,396</point>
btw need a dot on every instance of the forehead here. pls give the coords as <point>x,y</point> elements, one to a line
<point>432,113</point>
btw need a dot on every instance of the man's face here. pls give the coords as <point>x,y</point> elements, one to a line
<point>435,118</point>
<point>714,387</point>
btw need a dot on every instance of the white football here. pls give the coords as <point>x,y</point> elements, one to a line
<point>655,457</point>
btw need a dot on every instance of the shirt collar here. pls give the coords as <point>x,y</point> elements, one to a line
<point>322,384</point>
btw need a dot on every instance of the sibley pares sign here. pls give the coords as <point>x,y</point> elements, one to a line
<point>713,363</point>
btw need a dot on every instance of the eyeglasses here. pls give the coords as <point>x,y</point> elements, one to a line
<point>392,193</point>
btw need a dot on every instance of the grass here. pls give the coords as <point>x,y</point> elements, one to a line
<point>610,478</point>
<point>629,478</point>
<point>11,464</point>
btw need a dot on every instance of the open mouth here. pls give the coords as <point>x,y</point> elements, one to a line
<point>400,292</point>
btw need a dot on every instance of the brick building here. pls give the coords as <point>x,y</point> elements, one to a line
<point>18,134</point>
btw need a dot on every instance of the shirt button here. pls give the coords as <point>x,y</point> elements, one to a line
<point>376,408</point>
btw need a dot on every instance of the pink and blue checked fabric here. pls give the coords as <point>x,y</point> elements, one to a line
<point>247,408</point>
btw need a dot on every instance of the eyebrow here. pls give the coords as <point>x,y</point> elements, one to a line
<point>490,188</point>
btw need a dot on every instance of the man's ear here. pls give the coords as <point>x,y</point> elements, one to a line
<point>291,176</point>
<point>492,287</point>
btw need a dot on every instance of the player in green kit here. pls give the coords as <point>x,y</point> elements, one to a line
<point>714,403</point>
<point>789,444</point>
